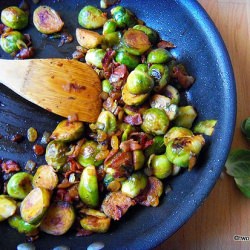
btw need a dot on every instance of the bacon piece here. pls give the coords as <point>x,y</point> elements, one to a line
<point>107,63</point>
<point>133,119</point>
<point>143,139</point>
<point>10,167</point>
<point>165,45</point>
<point>130,145</point>
<point>25,53</point>
<point>116,204</point>
<point>180,74</point>
<point>118,77</point>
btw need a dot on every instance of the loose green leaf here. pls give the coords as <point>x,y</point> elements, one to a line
<point>244,185</point>
<point>245,127</point>
<point>205,127</point>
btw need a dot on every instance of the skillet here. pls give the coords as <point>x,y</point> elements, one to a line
<point>201,49</point>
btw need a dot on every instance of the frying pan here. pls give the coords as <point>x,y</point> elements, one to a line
<point>200,47</point>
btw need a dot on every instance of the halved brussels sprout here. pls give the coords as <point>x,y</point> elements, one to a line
<point>108,121</point>
<point>183,151</point>
<point>172,111</point>
<point>159,56</point>
<point>111,40</point>
<point>88,187</point>
<point>58,219</point>
<point>109,26</point>
<point>19,185</point>
<point>106,86</point>
<point>205,127</point>
<point>172,93</point>
<point>34,205</point>
<point>123,17</point>
<point>94,57</point>
<point>159,166</point>
<point>56,153</point>
<point>68,131</point>
<point>131,99</point>
<point>14,17</point>
<point>47,20</point>
<point>160,74</point>
<point>87,154</point>
<point>88,39</point>
<point>152,34</point>
<point>142,67</point>
<point>186,116</point>
<point>7,207</point>
<point>91,17</point>
<point>45,177</point>
<point>139,82</point>
<point>21,226</point>
<point>135,42</point>
<point>158,147</point>
<point>123,57</point>
<point>133,110</point>
<point>138,159</point>
<point>155,121</point>
<point>12,41</point>
<point>159,101</point>
<point>134,185</point>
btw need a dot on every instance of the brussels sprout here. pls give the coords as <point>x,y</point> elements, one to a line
<point>158,147</point>
<point>186,116</point>
<point>109,27</point>
<point>21,226</point>
<point>133,110</point>
<point>88,39</point>
<point>88,187</point>
<point>159,56</point>
<point>142,67</point>
<point>19,185</point>
<point>47,20</point>
<point>106,86</point>
<point>160,74</point>
<point>45,177</point>
<point>68,131</point>
<point>34,205</point>
<point>123,17</point>
<point>159,101</point>
<point>87,154</point>
<point>139,82</point>
<point>12,41</point>
<point>95,221</point>
<point>7,207</point>
<point>94,57</point>
<point>136,183</point>
<point>91,17</point>
<point>159,166</point>
<point>183,151</point>
<point>108,121</point>
<point>131,99</point>
<point>152,34</point>
<point>138,159</point>
<point>175,132</point>
<point>172,93</point>
<point>123,57</point>
<point>58,219</point>
<point>135,42</point>
<point>111,40</point>
<point>172,111</point>
<point>205,127</point>
<point>56,153</point>
<point>155,121</point>
<point>14,18</point>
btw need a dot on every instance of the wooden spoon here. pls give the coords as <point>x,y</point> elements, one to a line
<point>64,87</point>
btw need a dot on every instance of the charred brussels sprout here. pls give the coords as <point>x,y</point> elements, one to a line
<point>7,207</point>
<point>47,20</point>
<point>159,166</point>
<point>159,56</point>
<point>123,17</point>
<point>186,116</point>
<point>133,186</point>
<point>88,187</point>
<point>183,151</point>
<point>123,57</point>
<point>19,185</point>
<point>21,226</point>
<point>56,153</point>
<point>12,41</point>
<point>155,121</point>
<point>87,154</point>
<point>139,82</point>
<point>152,34</point>
<point>94,57</point>
<point>88,39</point>
<point>135,42</point>
<point>160,74</point>
<point>107,121</point>
<point>91,17</point>
<point>109,26</point>
<point>58,219</point>
<point>68,131</point>
<point>14,17</point>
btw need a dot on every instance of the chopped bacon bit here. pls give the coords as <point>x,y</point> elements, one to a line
<point>83,232</point>
<point>2,26</point>
<point>38,149</point>
<point>25,53</point>
<point>165,45</point>
<point>107,64</point>
<point>75,167</point>
<point>10,167</point>
<point>133,119</point>
<point>142,138</point>
<point>130,145</point>
<point>60,193</point>
<point>77,148</point>
<point>17,138</point>
<point>74,87</point>
<point>118,77</point>
<point>65,184</point>
<point>180,74</point>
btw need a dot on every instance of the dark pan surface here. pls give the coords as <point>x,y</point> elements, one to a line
<point>201,49</point>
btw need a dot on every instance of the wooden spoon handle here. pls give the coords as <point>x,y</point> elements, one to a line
<point>62,86</point>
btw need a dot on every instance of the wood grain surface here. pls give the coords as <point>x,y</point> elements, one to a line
<point>226,212</point>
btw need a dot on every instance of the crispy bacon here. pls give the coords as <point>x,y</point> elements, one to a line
<point>107,63</point>
<point>133,119</point>
<point>180,74</point>
<point>25,53</point>
<point>75,167</point>
<point>143,139</point>
<point>118,77</point>
<point>165,45</point>
<point>10,167</point>
<point>130,145</point>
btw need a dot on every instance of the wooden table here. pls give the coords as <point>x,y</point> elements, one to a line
<point>226,212</point>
